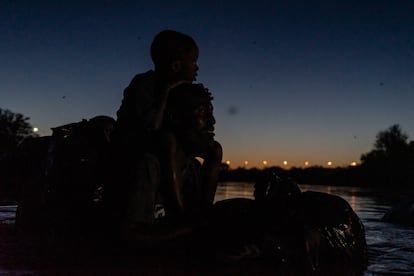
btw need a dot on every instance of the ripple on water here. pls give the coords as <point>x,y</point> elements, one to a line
<point>390,248</point>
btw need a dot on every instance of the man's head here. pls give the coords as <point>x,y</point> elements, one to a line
<point>175,54</point>
<point>191,116</point>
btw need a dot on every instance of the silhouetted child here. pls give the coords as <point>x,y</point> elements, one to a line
<point>175,61</point>
<point>145,151</point>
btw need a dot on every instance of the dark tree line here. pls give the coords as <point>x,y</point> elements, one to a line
<point>14,129</point>
<point>389,164</point>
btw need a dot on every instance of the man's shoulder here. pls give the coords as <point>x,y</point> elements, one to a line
<point>144,82</point>
<point>144,78</point>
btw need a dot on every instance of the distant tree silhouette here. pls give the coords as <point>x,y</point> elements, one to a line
<point>391,160</point>
<point>14,128</point>
<point>391,140</point>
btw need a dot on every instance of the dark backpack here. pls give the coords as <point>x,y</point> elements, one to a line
<point>70,182</point>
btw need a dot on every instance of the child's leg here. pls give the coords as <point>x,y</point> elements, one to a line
<point>172,177</point>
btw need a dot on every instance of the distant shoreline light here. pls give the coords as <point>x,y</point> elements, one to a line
<point>287,164</point>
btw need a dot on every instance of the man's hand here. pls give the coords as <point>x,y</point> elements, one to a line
<point>215,152</point>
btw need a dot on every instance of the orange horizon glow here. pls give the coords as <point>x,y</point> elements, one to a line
<point>287,164</point>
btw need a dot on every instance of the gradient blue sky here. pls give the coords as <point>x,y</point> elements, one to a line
<point>292,80</point>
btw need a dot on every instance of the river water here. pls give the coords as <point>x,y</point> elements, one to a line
<point>390,246</point>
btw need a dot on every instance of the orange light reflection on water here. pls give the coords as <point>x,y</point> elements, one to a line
<point>353,200</point>
<point>233,190</point>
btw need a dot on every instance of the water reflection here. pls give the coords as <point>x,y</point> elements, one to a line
<point>390,247</point>
<point>245,189</point>
<point>7,214</point>
<point>234,189</point>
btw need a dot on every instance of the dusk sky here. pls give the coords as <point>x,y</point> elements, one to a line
<point>292,80</point>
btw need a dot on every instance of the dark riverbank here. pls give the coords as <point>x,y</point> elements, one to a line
<point>354,176</point>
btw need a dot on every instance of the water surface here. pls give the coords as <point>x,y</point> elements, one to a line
<point>390,246</point>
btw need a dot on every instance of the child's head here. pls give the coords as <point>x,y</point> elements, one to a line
<point>175,54</point>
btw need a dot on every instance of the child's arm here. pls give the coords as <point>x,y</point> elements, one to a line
<point>161,102</point>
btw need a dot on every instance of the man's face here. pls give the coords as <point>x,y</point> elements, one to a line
<point>203,119</point>
<point>200,133</point>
